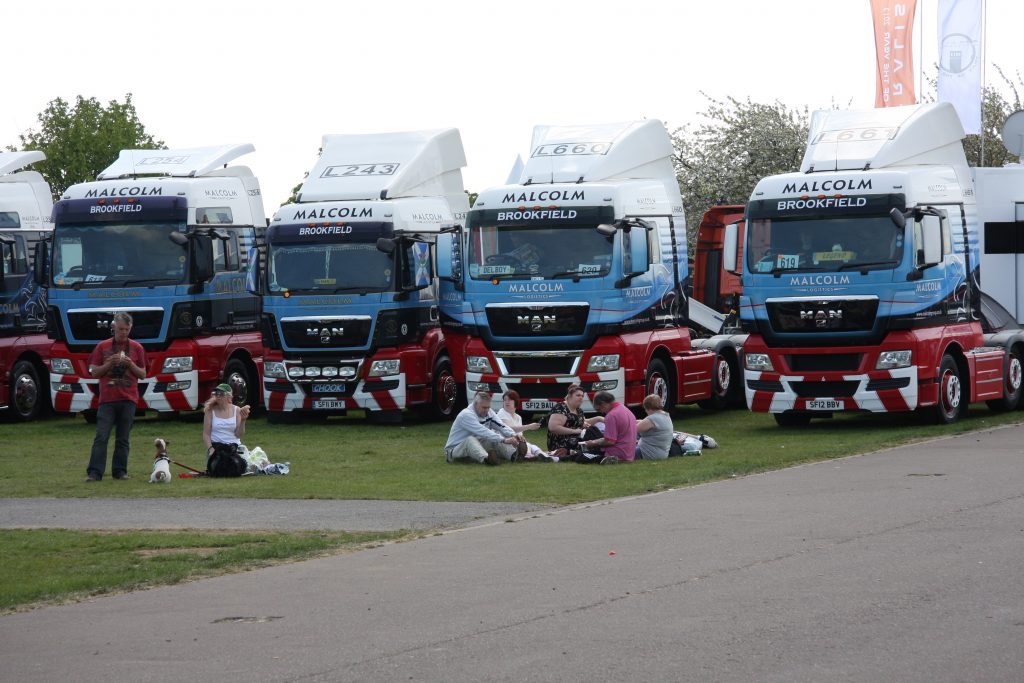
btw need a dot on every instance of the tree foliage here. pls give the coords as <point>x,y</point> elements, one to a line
<point>995,109</point>
<point>81,140</point>
<point>739,142</point>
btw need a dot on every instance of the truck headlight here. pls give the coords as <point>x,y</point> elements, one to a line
<point>759,362</point>
<point>478,364</point>
<point>890,360</point>
<point>61,366</point>
<point>273,368</point>
<point>296,371</point>
<point>603,363</point>
<point>177,364</point>
<point>382,368</point>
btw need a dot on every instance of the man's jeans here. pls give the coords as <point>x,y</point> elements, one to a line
<point>119,414</point>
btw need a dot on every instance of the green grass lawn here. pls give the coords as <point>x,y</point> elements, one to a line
<point>346,458</point>
<point>53,565</point>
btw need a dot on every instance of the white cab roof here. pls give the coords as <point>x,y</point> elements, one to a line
<point>920,134</point>
<point>179,163</point>
<point>12,161</point>
<point>386,166</point>
<point>591,153</point>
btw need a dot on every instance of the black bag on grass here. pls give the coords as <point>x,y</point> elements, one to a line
<point>225,461</point>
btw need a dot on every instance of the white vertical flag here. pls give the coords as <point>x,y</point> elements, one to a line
<point>960,59</point>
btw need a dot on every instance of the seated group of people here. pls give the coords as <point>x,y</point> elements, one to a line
<point>481,435</point>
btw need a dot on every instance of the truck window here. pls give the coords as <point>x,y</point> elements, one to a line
<point>225,254</point>
<point>823,244</point>
<point>9,219</point>
<point>218,215</point>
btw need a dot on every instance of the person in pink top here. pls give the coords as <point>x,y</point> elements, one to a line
<point>619,441</point>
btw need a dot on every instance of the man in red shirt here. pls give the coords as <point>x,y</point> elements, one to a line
<point>118,363</point>
<point>619,441</point>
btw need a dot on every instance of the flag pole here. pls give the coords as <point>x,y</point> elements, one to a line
<point>984,30</point>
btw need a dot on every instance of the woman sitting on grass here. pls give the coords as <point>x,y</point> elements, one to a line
<point>567,424</point>
<point>514,421</point>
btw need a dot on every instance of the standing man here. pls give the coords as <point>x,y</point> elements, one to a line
<point>619,441</point>
<point>118,363</point>
<point>477,434</point>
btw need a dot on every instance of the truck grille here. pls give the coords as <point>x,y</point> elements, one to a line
<point>538,320</point>
<point>824,315</point>
<point>94,324</point>
<point>538,365</point>
<point>820,362</point>
<point>325,333</point>
<point>824,389</point>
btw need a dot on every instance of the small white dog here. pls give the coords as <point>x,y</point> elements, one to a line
<point>161,464</point>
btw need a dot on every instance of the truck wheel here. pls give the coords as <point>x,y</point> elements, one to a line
<point>659,382</point>
<point>26,399</point>
<point>1011,384</point>
<point>725,378</point>
<point>445,394</point>
<point>89,416</point>
<point>950,404</point>
<point>792,419</point>
<point>275,417</point>
<point>237,375</point>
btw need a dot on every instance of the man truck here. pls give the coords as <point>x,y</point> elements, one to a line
<point>165,235</point>
<point>350,316</point>
<point>574,274</point>
<point>25,205</point>
<point>861,275</point>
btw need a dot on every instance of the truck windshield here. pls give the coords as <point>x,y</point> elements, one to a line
<point>549,252</point>
<point>117,254</point>
<point>329,267</point>
<point>823,244</point>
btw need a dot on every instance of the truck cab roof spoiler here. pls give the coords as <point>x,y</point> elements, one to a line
<point>12,161</point>
<point>177,163</point>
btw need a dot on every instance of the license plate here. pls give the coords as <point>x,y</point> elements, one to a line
<point>824,404</point>
<point>537,405</point>
<point>331,388</point>
<point>328,405</point>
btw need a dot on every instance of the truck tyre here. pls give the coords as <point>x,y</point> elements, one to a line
<point>950,405</point>
<point>445,393</point>
<point>89,416</point>
<point>725,381</point>
<point>658,381</point>
<point>792,419</point>
<point>236,373</point>
<point>26,397</point>
<point>1011,384</point>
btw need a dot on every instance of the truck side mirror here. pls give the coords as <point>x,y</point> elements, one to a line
<point>930,249</point>
<point>445,266</point>
<point>200,264</point>
<point>386,245</point>
<point>730,248</point>
<point>898,218</point>
<point>254,277</point>
<point>40,263</point>
<point>639,255</point>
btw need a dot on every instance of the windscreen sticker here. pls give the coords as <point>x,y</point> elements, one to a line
<point>95,278</point>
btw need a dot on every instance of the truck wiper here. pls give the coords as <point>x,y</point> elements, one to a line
<point>777,271</point>
<point>574,274</point>
<point>868,264</point>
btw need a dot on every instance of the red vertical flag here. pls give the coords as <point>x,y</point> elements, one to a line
<point>894,61</point>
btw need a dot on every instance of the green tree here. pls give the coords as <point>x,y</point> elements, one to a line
<point>996,107</point>
<point>81,140</point>
<point>738,143</point>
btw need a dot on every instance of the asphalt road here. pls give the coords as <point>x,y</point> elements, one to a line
<point>903,565</point>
